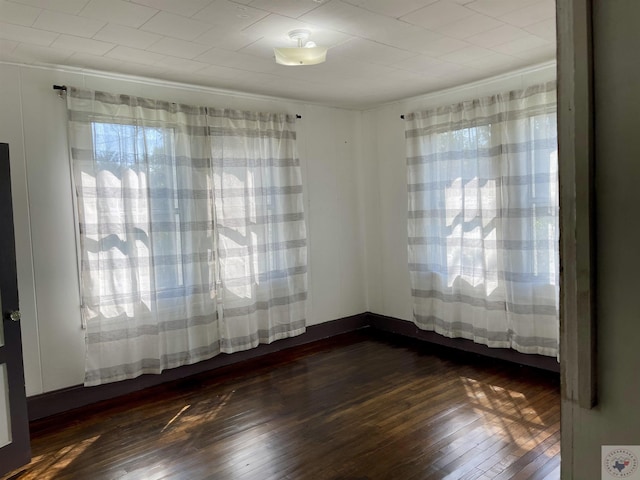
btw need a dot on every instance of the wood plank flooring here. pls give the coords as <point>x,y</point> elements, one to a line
<point>354,407</point>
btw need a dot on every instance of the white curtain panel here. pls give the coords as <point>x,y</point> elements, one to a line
<point>483,219</point>
<point>153,284</point>
<point>260,224</point>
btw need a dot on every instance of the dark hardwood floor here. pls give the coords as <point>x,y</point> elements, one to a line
<point>358,406</point>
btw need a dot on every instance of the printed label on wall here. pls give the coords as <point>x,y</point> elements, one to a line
<point>621,461</point>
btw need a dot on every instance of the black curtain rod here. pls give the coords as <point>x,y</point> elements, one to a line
<point>64,89</point>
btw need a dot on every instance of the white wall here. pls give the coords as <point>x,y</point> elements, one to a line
<point>33,122</point>
<point>355,186</point>
<point>388,289</point>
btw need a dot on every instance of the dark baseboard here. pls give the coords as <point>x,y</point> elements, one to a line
<point>409,329</point>
<point>51,403</point>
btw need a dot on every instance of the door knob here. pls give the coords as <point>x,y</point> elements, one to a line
<point>15,316</point>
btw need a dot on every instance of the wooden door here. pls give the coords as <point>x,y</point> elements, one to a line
<point>15,449</point>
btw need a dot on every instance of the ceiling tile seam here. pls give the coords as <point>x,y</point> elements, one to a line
<point>113,45</point>
<point>150,19</point>
<point>57,36</point>
<point>162,39</point>
<point>239,50</point>
<point>49,9</point>
<point>210,64</point>
<point>9,22</point>
<point>417,52</point>
<point>493,48</point>
<point>465,40</point>
<point>318,5</point>
<point>414,26</point>
<point>199,11</point>
<point>260,19</point>
<point>471,44</point>
<point>358,8</point>
<point>22,24</point>
<point>389,16</point>
<point>271,12</point>
<point>98,32</point>
<point>80,14</point>
<point>369,39</point>
<point>44,28</point>
<point>167,11</point>
<point>503,13</point>
<point>414,54</point>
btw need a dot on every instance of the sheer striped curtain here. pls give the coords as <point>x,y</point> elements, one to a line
<point>153,233</point>
<point>483,219</point>
<point>260,224</point>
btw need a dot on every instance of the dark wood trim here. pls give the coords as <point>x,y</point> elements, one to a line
<point>409,329</point>
<point>59,401</point>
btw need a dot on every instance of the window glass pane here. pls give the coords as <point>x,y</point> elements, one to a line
<point>5,413</point>
<point>142,165</point>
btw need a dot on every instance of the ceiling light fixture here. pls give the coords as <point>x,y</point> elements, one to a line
<point>306,53</point>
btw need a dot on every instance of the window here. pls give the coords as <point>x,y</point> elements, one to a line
<point>192,235</point>
<point>483,219</point>
<point>542,168</point>
<point>146,156</point>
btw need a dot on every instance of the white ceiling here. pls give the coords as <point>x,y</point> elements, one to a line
<point>380,50</point>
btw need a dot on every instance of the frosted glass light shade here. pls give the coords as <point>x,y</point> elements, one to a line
<point>300,55</point>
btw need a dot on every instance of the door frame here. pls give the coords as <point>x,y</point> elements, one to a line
<point>578,346</point>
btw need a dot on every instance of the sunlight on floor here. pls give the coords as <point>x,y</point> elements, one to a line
<point>52,464</point>
<point>506,412</point>
<point>175,417</point>
<point>188,416</point>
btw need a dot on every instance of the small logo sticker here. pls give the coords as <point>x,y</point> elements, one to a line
<point>620,462</point>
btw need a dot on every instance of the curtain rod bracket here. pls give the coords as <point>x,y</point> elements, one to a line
<point>62,89</point>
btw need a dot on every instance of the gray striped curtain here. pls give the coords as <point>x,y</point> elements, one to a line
<point>483,220</point>
<point>260,225</point>
<point>154,235</point>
